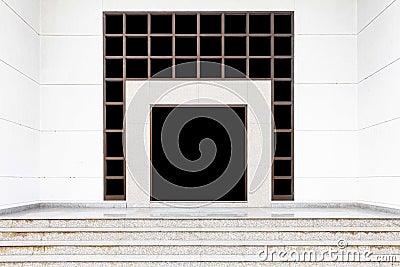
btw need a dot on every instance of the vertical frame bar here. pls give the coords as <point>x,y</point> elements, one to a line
<point>198,45</point>
<point>221,56</point>
<point>148,46</point>
<point>247,44</point>
<point>173,46</point>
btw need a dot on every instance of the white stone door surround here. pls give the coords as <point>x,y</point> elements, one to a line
<point>140,95</point>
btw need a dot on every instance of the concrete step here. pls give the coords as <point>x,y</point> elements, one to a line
<point>196,234</point>
<point>198,242</point>
<point>200,222</point>
<point>175,247</point>
<point>197,229</point>
<point>197,264</point>
<point>188,259</point>
<point>187,242</point>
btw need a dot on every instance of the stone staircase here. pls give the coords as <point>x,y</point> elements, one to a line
<point>195,241</point>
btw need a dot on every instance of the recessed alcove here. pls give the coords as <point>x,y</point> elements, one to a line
<point>114,116</point>
<point>136,46</point>
<point>259,24</point>
<point>235,24</point>
<point>186,24</point>
<point>210,46</point>
<point>235,46</point>
<point>260,46</point>
<point>281,113</point>
<point>283,46</point>
<point>282,187</point>
<point>136,24</point>
<point>114,46</point>
<point>260,68</point>
<point>114,146</point>
<point>115,187</point>
<point>114,24</point>
<point>283,144</point>
<point>210,24</point>
<point>282,168</point>
<point>283,24</point>
<point>282,91</point>
<point>136,68</point>
<point>114,68</point>
<point>161,68</point>
<point>186,68</point>
<point>114,91</point>
<point>161,24</point>
<point>283,68</point>
<point>235,68</point>
<point>185,46</point>
<point>161,46</point>
<point>210,68</point>
<point>115,168</point>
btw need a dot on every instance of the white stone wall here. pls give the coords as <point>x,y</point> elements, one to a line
<point>325,100</point>
<point>19,101</point>
<point>378,101</point>
<point>71,153</point>
<point>70,33</point>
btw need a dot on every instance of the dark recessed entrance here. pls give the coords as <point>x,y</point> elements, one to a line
<point>198,153</point>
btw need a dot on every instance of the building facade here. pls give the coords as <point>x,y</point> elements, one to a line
<point>343,98</point>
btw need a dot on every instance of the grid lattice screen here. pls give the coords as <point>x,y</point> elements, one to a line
<point>137,46</point>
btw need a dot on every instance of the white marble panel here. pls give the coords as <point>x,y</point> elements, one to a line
<point>71,107</point>
<point>325,17</point>
<point>71,17</point>
<point>71,60</point>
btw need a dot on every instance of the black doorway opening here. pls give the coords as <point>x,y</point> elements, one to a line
<point>198,153</point>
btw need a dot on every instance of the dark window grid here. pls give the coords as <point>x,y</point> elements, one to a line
<point>282,115</point>
<point>283,145</point>
<point>282,92</point>
<point>247,57</point>
<point>235,23</point>
<point>207,73</point>
<point>283,23</point>
<point>260,23</point>
<point>115,169</point>
<point>279,195</point>
<point>185,23</point>
<point>114,113</point>
<point>185,71</point>
<point>113,24</point>
<point>276,196</point>
<point>136,24</point>
<point>283,67</point>
<point>235,46</point>
<point>185,46</point>
<point>283,168</point>
<point>161,23</point>
<point>115,191</point>
<point>136,47</point>
<point>114,91</point>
